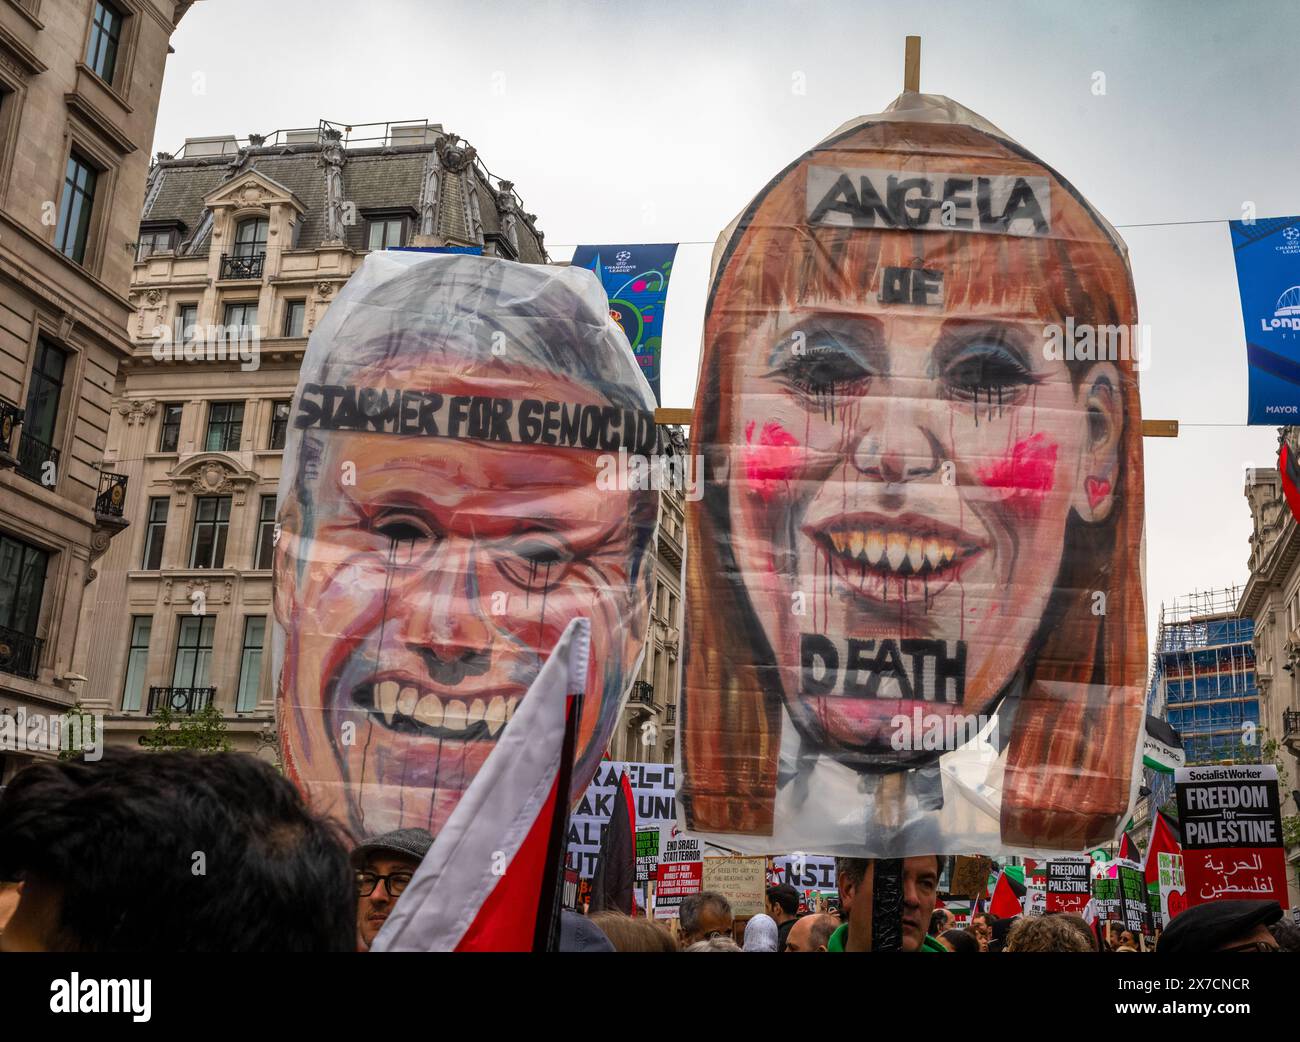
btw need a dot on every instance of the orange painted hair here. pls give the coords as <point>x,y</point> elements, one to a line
<point>1069,766</point>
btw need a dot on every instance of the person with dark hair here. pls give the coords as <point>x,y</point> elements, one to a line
<point>783,907</point>
<point>981,926</point>
<point>849,873</point>
<point>171,852</point>
<point>811,933</point>
<point>1287,934</point>
<point>959,941</point>
<point>1001,931</point>
<point>704,916</point>
<point>941,920</point>
<point>384,866</point>
<point>920,890</point>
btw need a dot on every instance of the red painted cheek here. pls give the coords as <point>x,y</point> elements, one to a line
<point>773,460</point>
<point>1026,475</point>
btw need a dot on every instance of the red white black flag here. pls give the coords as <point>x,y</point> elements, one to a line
<point>488,883</point>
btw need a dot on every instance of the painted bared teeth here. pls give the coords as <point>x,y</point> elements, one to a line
<point>932,552</point>
<point>429,711</point>
<point>915,554</point>
<point>453,717</point>
<point>386,699</point>
<point>895,551</point>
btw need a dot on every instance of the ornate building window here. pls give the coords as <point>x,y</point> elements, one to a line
<point>383,233</point>
<point>170,435</point>
<point>105,40</point>
<point>76,208</point>
<point>264,552</point>
<point>193,667</point>
<point>225,427</point>
<point>250,238</point>
<point>250,663</point>
<point>155,532</point>
<point>279,423</point>
<point>208,539</point>
<point>137,661</point>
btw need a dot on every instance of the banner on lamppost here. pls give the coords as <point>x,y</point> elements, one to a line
<point>635,277</point>
<point>1267,255</point>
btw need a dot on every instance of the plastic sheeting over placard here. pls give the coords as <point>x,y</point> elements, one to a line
<point>454,493</point>
<point>914,584</point>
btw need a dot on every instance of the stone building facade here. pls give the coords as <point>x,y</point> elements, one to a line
<point>256,235</point>
<point>647,731</point>
<point>263,233</point>
<point>79,87</point>
<point>1272,598</point>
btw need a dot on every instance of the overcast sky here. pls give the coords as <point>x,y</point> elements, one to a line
<point>633,122</point>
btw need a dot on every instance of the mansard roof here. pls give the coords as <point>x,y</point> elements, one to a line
<point>374,179</point>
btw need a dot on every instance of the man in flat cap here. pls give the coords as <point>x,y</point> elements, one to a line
<point>384,868</point>
<point>1222,926</point>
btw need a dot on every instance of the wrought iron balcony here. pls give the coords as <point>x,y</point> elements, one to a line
<point>233,267</point>
<point>180,699</point>
<point>33,455</point>
<point>20,653</point>
<point>112,496</point>
<point>643,692</point>
<point>10,417</point>
<point>1291,730</point>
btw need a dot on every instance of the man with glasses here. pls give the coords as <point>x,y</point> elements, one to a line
<point>705,916</point>
<point>384,867</point>
<point>1222,926</point>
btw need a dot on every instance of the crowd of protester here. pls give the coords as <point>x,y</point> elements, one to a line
<point>236,861</point>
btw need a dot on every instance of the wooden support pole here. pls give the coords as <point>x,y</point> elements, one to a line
<point>912,65</point>
<point>1159,428</point>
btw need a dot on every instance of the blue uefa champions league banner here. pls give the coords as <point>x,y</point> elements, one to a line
<point>1267,252</point>
<point>635,278</point>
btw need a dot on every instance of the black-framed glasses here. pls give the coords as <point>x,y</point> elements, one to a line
<point>1253,946</point>
<point>394,882</point>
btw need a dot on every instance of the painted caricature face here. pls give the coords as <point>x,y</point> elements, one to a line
<point>901,479</point>
<point>424,594</point>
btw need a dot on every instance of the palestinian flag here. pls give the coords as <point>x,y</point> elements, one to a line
<point>1164,840</point>
<point>614,883</point>
<point>515,809</point>
<point>1289,470</point>
<point>1006,900</point>
<point>1162,746</point>
<point>1128,850</point>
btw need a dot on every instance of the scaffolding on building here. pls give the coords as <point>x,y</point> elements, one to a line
<point>1203,682</point>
